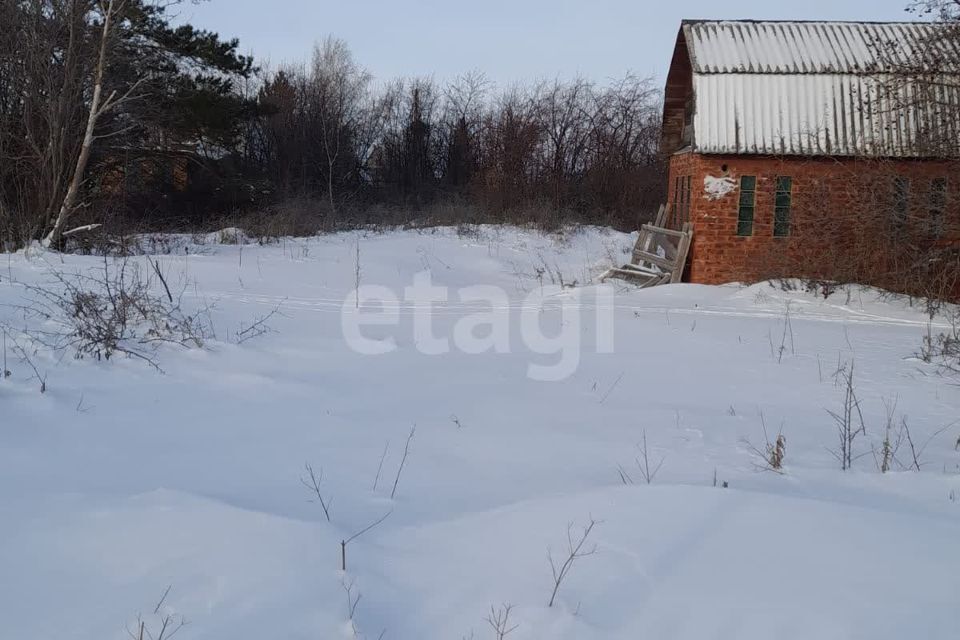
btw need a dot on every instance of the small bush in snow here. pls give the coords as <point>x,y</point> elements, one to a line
<point>849,421</point>
<point>499,621</point>
<point>777,453</point>
<point>163,624</point>
<point>773,453</point>
<point>112,311</point>
<point>943,348</point>
<point>647,470</point>
<point>815,286</point>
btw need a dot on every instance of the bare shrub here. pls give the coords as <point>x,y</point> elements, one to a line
<point>815,286</point>
<point>25,358</point>
<point>101,314</point>
<point>346,541</point>
<point>898,233</point>
<point>256,328</point>
<point>943,349</point>
<point>4,371</point>
<point>849,421</point>
<point>575,551</point>
<point>917,450</point>
<point>353,599</point>
<point>892,439</point>
<point>773,453</point>
<point>777,453</point>
<point>897,436</point>
<point>312,482</point>
<point>787,332</point>
<point>162,625</point>
<point>499,621</point>
<point>648,471</point>
<point>403,461</point>
<point>294,217</point>
<point>383,456</point>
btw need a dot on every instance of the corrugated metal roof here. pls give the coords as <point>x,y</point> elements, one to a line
<point>812,47</point>
<point>819,88</point>
<point>830,114</point>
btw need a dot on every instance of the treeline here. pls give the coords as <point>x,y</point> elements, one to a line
<point>96,94</point>
<point>185,132</point>
<point>566,150</point>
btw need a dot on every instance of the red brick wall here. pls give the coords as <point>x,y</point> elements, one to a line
<point>839,206</point>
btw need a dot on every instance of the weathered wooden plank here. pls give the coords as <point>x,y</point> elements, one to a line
<point>653,282</point>
<point>682,252</point>
<point>636,276</point>
<point>661,218</point>
<point>630,272</point>
<point>655,271</point>
<point>645,240</point>
<point>648,267</point>
<point>660,230</point>
<point>653,258</point>
<point>669,248</point>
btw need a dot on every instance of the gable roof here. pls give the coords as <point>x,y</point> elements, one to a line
<point>813,88</point>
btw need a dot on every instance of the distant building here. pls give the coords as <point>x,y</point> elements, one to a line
<point>791,144</point>
<point>136,170</point>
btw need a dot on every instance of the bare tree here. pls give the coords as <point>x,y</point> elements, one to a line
<point>464,102</point>
<point>900,227</point>
<point>540,153</point>
<point>98,107</point>
<point>338,88</point>
<point>561,107</point>
<point>45,66</point>
<point>944,10</point>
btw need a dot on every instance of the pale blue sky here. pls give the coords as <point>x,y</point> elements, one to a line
<point>510,40</point>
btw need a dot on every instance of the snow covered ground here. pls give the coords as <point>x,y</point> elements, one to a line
<point>120,481</point>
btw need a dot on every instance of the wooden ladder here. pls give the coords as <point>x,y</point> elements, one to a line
<point>659,257</point>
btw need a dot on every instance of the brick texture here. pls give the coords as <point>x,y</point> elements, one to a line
<point>839,208</point>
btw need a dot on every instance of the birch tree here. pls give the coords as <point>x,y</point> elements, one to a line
<point>99,106</point>
<point>339,88</point>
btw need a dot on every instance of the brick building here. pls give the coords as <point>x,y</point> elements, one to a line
<point>795,146</point>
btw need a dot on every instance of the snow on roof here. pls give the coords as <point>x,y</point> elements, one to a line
<point>819,88</point>
<point>810,47</point>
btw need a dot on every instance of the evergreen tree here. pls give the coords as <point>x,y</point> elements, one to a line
<point>163,90</point>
